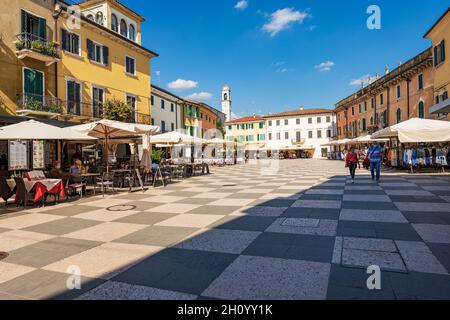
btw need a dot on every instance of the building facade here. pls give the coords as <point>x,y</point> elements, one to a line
<point>440,36</point>
<point>211,121</point>
<point>250,131</point>
<point>301,130</point>
<point>68,68</point>
<point>165,109</point>
<point>401,94</point>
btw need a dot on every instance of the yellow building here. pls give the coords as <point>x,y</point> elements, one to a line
<point>440,35</point>
<point>250,131</point>
<point>65,62</point>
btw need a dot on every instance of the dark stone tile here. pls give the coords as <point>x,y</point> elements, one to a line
<point>178,270</point>
<point>417,199</point>
<point>442,252</point>
<point>421,286</point>
<point>71,210</point>
<point>312,213</point>
<point>368,205</point>
<point>47,285</point>
<point>382,230</point>
<point>146,218</point>
<point>275,203</point>
<point>245,223</point>
<point>427,217</point>
<point>243,195</point>
<point>63,226</point>
<point>186,194</point>
<point>292,246</point>
<point>219,210</point>
<point>201,201</point>
<point>321,197</point>
<point>135,196</point>
<point>351,293</point>
<point>365,192</point>
<point>44,253</point>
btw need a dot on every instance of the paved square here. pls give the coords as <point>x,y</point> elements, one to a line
<point>302,232</point>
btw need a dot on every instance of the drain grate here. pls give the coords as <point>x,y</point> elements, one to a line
<point>3,255</point>
<point>121,208</point>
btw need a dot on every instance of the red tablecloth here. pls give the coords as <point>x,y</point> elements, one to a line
<point>41,190</point>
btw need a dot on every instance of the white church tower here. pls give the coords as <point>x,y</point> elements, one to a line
<point>226,102</point>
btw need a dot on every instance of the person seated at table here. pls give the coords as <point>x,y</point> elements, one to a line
<point>76,168</point>
<point>92,166</point>
<point>56,171</point>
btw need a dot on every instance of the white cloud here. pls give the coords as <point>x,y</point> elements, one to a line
<point>325,66</point>
<point>357,82</point>
<point>282,70</point>
<point>279,63</point>
<point>181,84</point>
<point>283,19</point>
<point>158,73</point>
<point>200,96</point>
<point>241,5</point>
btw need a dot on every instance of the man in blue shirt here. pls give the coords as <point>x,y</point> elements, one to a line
<point>375,154</point>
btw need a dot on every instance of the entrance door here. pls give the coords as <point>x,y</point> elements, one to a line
<point>33,86</point>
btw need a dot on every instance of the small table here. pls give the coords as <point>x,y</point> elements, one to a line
<point>91,176</point>
<point>41,187</point>
<point>121,173</point>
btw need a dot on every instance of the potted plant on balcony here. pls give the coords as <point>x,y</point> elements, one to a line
<point>20,45</point>
<point>117,110</point>
<point>32,104</point>
<point>36,46</point>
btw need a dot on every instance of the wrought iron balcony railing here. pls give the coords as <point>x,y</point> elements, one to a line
<point>28,41</point>
<point>39,103</point>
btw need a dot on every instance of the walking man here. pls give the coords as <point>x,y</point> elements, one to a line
<point>375,155</point>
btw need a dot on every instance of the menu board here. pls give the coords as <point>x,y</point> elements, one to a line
<point>38,154</point>
<point>18,155</point>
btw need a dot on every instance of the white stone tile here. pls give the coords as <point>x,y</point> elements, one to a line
<point>423,206</point>
<point>104,215</point>
<point>191,220</point>
<point>364,259</point>
<point>434,233</point>
<point>105,232</point>
<point>391,216</point>
<point>366,198</point>
<point>11,271</point>
<point>28,220</point>
<point>164,199</point>
<point>337,252</point>
<point>325,192</point>
<point>174,208</point>
<point>231,202</point>
<point>16,239</point>
<point>322,204</point>
<point>213,195</point>
<point>384,245</point>
<point>418,257</point>
<point>324,228</point>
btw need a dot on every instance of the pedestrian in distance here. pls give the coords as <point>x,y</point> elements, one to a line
<point>352,162</point>
<point>375,154</point>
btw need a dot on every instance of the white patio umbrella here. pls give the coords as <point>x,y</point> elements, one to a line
<point>417,130</point>
<point>367,139</point>
<point>107,129</point>
<point>175,138</point>
<point>35,130</point>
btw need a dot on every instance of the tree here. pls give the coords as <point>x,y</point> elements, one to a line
<point>117,110</point>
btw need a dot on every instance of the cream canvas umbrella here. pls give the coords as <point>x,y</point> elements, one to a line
<point>417,130</point>
<point>35,130</point>
<point>107,129</point>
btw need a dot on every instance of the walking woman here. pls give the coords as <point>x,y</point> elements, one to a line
<point>351,162</point>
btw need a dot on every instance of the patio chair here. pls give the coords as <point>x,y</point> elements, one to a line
<point>106,182</point>
<point>74,184</point>
<point>5,192</point>
<point>23,197</point>
<point>166,172</point>
<point>198,170</point>
<point>178,172</point>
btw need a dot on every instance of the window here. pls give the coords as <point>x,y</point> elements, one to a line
<point>172,127</point>
<point>163,126</point>
<point>365,105</point>
<point>399,92</point>
<point>97,52</point>
<point>153,121</point>
<point>261,125</point>
<point>286,135</point>
<point>381,99</point>
<point>373,103</point>
<point>172,107</point>
<point>152,100</point>
<point>319,134</point>
<point>98,98</point>
<point>163,104</point>
<point>399,115</point>
<point>420,82</point>
<point>360,108</point>
<point>99,18</point>
<point>73,97</point>
<point>130,66</point>
<point>328,133</point>
<point>270,136</point>
<point>421,110</point>
<point>439,53</point>
<point>70,42</point>
<point>298,121</point>
<point>310,120</point>
<point>286,122</point>
<point>364,124</point>
<point>278,136</point>
<point>34,27</point>
<point>114,23</point>
<point>319,120</point>
<point>123,28</point>
<point>225,96</point>
<point>90,17</point>
<point>353,111</point>
<point>132,33</point>
<point>132,102</point>
<point>310,134</point>
<point>278,122</point>
<point>270,123</point>
<point>328,119</point>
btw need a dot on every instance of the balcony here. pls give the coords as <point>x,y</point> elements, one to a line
<point>34,47</point>
<point>33,104</point>
<point>298,142</point>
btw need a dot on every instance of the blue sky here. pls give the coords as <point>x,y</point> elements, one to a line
<point>278,54</point>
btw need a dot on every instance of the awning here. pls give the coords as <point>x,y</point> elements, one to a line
<point>416,131</point>
<point>442,107</point>
<point>367,139</point>
<point>175,138</point>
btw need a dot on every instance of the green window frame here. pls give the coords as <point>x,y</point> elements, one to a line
<point>399,115</point>
<point>421,110</point>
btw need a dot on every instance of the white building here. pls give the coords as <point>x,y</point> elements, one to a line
<point>165,110</point>
<point>226,102</point>
<point>301,130</point>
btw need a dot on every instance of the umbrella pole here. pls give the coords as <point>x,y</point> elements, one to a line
<point>107,153</point>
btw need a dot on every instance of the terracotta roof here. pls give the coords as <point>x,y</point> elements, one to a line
<point>305,112</point>
<point>245,119</point>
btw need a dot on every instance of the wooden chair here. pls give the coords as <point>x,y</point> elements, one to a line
<point>106,182</point>
<point>5,192</point>
<point>75,184</point>
<point>23,196</point>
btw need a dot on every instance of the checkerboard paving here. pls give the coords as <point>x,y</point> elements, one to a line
<point>301,231</point>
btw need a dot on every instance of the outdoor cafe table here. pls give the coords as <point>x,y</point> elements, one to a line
<point>41,187</point>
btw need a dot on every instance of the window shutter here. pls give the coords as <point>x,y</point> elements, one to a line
<point>42,28</point>
<point>105,56</point>
<point>443,50</point>
<point>24,21</point>
<point>77,92</point>
<point>435,56</point>
<point>64,39</point>
<point>90,47</point>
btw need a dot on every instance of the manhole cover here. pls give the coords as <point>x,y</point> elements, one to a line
<point>121,208</point>
<point>3,255</point>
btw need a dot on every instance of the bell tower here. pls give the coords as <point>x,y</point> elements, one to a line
<point>226,102</point>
